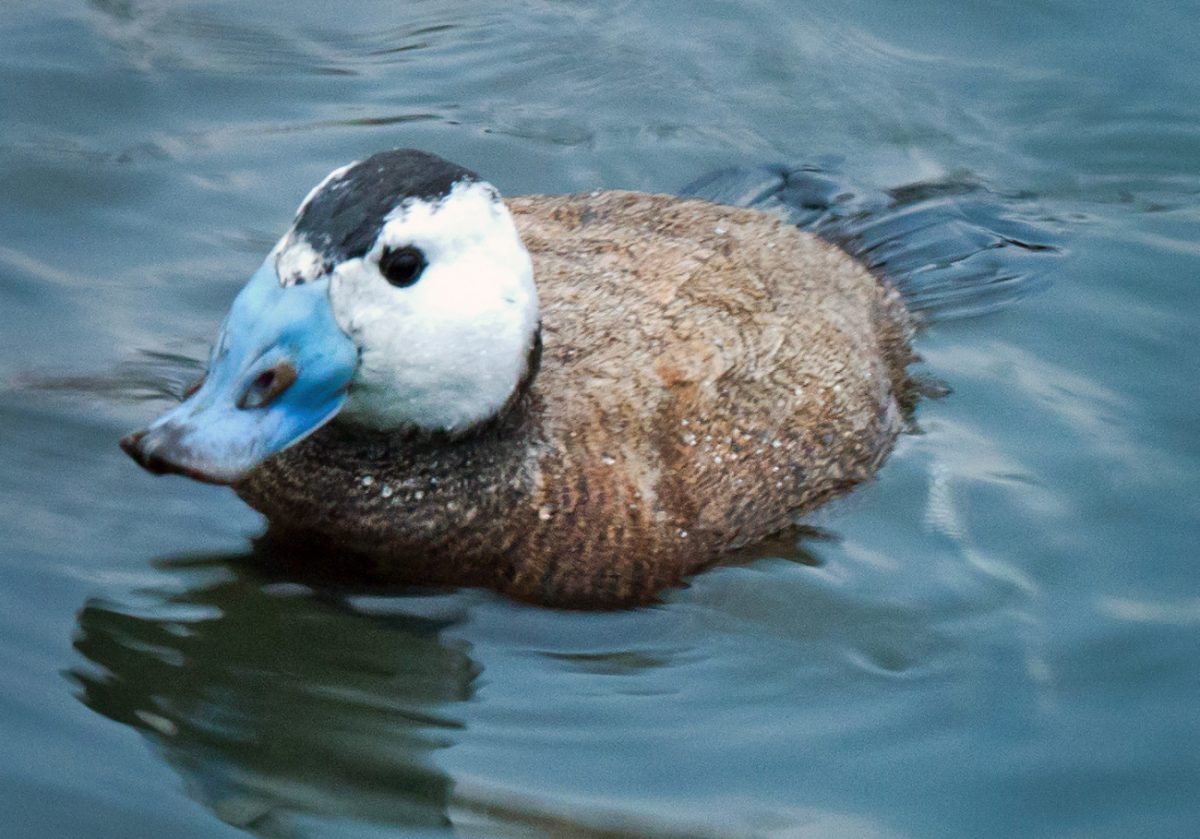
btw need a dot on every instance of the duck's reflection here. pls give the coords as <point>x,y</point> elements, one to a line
<point>277,704</point>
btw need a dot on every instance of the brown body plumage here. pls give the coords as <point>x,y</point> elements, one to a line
<point>708,374</point>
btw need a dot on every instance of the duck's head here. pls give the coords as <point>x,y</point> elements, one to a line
<point>401,298</point>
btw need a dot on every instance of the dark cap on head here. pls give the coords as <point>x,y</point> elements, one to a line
<point>344,218</point>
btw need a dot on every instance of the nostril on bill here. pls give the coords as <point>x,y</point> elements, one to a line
<point>267,386</point>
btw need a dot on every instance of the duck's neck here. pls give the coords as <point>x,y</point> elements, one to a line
<point>458,496</point>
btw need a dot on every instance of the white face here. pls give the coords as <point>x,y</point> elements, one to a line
<point>448,350</point>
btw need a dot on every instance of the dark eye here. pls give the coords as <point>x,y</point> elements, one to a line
<point>402,266</point>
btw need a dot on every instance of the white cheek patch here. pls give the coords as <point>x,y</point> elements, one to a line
<point>448,351</point>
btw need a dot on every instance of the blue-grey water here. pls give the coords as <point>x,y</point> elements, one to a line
<point>998,637</point>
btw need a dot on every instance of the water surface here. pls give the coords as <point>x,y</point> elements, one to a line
<point>996,638</point>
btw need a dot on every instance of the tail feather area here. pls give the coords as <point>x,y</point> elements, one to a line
<point>953,248</point>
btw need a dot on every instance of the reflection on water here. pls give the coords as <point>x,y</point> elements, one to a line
<point>291,709</point>
<point>273,702</point>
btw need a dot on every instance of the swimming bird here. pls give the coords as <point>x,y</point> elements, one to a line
<point>576,400</point>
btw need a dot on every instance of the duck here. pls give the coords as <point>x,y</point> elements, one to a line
<point>577,401</point>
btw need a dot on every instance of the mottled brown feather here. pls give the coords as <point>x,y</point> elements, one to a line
<point>708,373</point>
